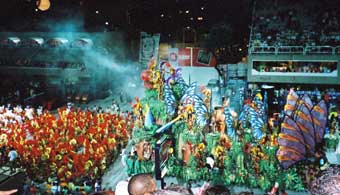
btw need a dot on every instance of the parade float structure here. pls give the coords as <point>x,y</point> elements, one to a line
<point>222,146</point>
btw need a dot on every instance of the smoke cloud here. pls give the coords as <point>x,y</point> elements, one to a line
<point>110,68</point>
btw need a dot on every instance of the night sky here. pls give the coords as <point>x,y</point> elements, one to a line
<point>164,16</point>
<point>170,18</point>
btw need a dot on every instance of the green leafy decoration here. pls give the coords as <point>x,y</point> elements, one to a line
<point>158,108</point>
<point>227,163</point>
<point>252,181</point>
<point>263,166</point>
<point>247,137</point>
<point>178,93</point>
<point>179,127</point>
<point>241,176</point>
<point>293,181</point>
<point>270,151</point>
<point>264,183</point>
<point>147,166</point>
<point>206,175</point>
<point>150,94</point>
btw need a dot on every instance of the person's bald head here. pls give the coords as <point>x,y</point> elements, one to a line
<point>217,190</point>
<point>141,184</point>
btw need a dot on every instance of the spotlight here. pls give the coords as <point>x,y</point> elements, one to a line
<point>43,5</point>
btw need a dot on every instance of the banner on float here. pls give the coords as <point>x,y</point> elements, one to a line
<point>197,57</point>
<point>149,45</point>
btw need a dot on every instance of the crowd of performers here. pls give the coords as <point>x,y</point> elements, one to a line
<point>69,147</point>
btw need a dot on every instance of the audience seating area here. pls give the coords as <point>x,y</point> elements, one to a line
<point>278,24</point>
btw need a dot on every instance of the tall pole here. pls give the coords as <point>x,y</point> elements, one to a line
<point>191,52</point>
<point>191,60</point>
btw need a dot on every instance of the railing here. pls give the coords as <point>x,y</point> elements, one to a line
<point>46,46</point>
<point>33,97</point>
<point>295,50</point>
<point>269,49</point>
<point>290,49</point>
<point>319,50</point>
<point>337,50</point>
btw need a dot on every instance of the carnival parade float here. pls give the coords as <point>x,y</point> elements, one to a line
<point>177,133</point>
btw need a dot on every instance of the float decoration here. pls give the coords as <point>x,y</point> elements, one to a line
<point>302,129</point>
<point>242,150</point>
<point>254,114</point>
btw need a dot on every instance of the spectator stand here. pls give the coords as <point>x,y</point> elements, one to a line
<point>288,23</point>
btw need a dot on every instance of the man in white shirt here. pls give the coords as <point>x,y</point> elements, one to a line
<point>12,155</point>
<point>122,188</point>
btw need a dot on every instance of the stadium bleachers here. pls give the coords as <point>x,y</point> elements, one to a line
<point>295,27</point>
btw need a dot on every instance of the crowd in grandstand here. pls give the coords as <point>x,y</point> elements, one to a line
<point>295,67</point>
<point>16,90</point>
<point>15,42</point>
<point>292,23</point>
<point>41,64</point>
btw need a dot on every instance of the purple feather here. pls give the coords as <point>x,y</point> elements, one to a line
<point>289,127</point>
<point>298,147</point>
<point>291,155</point>
<point>170,78</point>
<point>319,116</point>
<point>174,76</point>
<point>287,163</point>
<point>291,100</point>
<point>289,158</point>
<point>307,101</point>
<point>178,71</point>
<point>303,119</point>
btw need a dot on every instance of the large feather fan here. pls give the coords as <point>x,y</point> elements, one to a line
<point>189,97</point>
<point>169,99</point>
<point>231,132</point>
<point>302,129</point>
<point>200,109</point>
<point>254,115</point>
